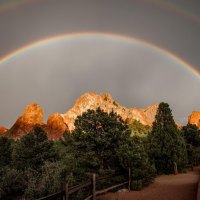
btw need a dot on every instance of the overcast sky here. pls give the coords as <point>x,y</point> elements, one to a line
<point>135,74</point>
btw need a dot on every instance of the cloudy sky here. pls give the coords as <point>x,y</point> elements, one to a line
<point>140,51</point>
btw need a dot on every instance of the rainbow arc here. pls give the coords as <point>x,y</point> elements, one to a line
<point>96,35</point>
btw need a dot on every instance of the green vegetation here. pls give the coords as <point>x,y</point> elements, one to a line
<point>5,152</point>
<point>166,144</point>
<point>191,134</point>
<point>97,137</point>
<point>138,129</point>
<point>32,150</point>
<point>26,171</point>
<point>101,143</point>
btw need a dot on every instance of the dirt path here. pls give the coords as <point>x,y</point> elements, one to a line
<point>166,187</point>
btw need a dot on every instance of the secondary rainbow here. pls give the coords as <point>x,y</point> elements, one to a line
<point>96,35</point>
<point>12,4</point>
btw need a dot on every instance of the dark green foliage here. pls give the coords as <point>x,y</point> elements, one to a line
<point>49,181</point>
<point>103,141</point>
<point>167,145</point>
<point>138,129</point>
<point>11,183</point>
<point>97,136</point>
<point>32,150</point>
<point>133,155</point>
<point>191,134</point>
<point>5,152</point>
<point>136,185</point>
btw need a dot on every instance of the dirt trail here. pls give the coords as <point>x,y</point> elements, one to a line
<point>166,187</point>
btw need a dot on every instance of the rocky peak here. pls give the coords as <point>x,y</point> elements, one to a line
<point>56,126</point>
<point>108,104</point>
<point>3,130</point>
<point>194,118</point>
<point>33,115</point>
<point>57,123</point>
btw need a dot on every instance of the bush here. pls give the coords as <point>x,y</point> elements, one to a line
<point>136,185</point>
<point>48,182</point>
<point>133,155</point>
<point>11,183</point>
<point>5,152</point>
<point>191,134</point>
<point>32,150</point>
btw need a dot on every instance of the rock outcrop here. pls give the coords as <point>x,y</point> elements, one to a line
<point>108,104</point>
<point>194,118</point>
<point>32,116</point>
<point>3,130</point>
<point>56,126</point>
<point>57,123</point>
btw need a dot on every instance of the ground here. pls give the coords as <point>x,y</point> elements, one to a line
<point>165,187</point>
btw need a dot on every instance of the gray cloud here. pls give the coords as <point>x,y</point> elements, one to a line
<point>55,74</point>
<point>145,19</point>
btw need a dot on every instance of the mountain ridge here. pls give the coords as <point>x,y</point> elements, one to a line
<point>58,123</point>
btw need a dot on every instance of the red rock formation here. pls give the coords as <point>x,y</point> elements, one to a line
<point>194,118</point>
<point>106,103</point>
<point>33,115</point>
<point>57,123</point>
<point>3,130</point>
<point>55,126</point>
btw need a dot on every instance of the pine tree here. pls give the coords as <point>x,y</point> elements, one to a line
<point>6,150</point>
<point>97,136</point>
<point>33,150</point>
<point>167,146</point>
<point>191,134</point>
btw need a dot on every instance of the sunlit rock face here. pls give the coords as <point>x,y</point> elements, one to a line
<point>56,126</point>
<point>194,118</point>
<point>108,104</point>
<point>3,130</point>
<point>57,123</point>
<point>32,116</point>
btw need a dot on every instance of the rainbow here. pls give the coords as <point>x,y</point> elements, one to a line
<point>96,35</point>
<point>175,9</point>
<point>12,4</point>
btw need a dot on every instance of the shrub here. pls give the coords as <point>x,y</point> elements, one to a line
<point>136,185</point>
<point>11,183</point>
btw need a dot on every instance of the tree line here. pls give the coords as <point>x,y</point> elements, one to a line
<point>101,143</point>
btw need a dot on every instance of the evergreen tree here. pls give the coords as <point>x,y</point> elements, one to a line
<point>133,154</point>
<point>191,134</point>
<point>167,146</point>
<point>32,150</point>
<point>97,136</point>
<point>5,152</point>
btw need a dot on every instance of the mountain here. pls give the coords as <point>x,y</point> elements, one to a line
<point>3,130</point>
<point>55,126</point>
<point>194,118</point>
<point>108,104</point>
<point>57,123</point>
<point>33,115</point>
